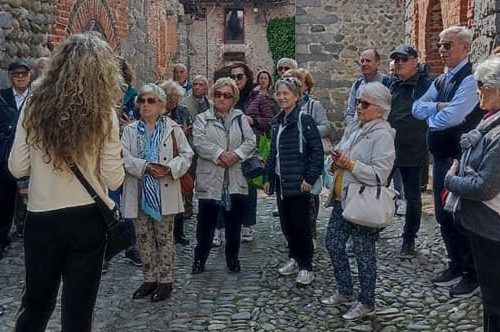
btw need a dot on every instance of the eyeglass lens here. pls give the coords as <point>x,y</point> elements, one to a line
<point>150,101</point>
<point>226,95</point>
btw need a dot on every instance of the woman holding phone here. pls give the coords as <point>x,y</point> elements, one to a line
<point>152,190</point>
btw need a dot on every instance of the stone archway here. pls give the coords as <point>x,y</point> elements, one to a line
<point>93,15</point>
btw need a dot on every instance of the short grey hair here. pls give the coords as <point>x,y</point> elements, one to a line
<point>488,72</point>
<point>378,94</point>
<point>292,83</point>
<point>180,65</point>
<point>287,61</point>
<point>172,89</point>
<point>154,89</point>
<point>201,78</point>
<point>225,81</point>
<point>461,32</point>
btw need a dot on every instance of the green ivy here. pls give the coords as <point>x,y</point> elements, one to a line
<point>281,37</point>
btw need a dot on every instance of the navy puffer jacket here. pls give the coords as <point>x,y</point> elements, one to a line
<point>294,166</point>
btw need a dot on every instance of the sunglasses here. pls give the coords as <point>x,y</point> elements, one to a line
<point>237,77</point>
<point>281,68</point>
<point>225,95</point>
<point>446,45</point>
<point>364,104</point>
<point>150,101</point>
<point>402,59</point>
<point>19,73</point>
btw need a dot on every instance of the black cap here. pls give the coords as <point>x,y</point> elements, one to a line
<point>16,64</point>
<point>404,50</point>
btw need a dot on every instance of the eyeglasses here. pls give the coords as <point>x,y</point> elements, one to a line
<point>446,45</point>
<point>364,104</point>
<point>237,77</point>
<point>483,86</point>
<point>150,101</point>
<point>402,59</point>
<point>19,73</point>
<point>281,68</point>
<point>225,95</point>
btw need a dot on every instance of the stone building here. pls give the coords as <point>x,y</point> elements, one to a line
<point>220,32</point>
<point>330,34</point>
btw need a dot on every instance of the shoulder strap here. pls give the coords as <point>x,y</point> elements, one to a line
<point>241,128</point>
<point>310,106</point>
<point>88,187</point>
<point>299,127</point>
<point>175,148</point>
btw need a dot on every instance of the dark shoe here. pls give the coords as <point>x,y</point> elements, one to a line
<point>182,239</point>
<point>162,292</point>
<point>447,278</point>
<point>233,264</point>
<point>198,267</point>
<point>276,213</point>
<point>144,290</point>
<point>105,266</point>
<point>408,248</point>
<point>465,288</point>
<point>132,255</point>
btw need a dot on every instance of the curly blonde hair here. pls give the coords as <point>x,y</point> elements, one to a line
<point>69,114</point>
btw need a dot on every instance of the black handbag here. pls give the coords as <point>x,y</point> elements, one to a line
<point>254,166</point>
<point>118,237</point>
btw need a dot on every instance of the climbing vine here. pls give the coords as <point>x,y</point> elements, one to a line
<point>281,37</point>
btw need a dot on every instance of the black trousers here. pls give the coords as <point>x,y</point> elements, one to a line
<point>295,224</point>
<point>486,253</point>
<point>67,245</point>
<point>8,192</point>
<point>411,177</point>
<point>208,211</point>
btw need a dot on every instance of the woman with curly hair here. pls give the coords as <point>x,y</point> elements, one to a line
<point>70,119</point>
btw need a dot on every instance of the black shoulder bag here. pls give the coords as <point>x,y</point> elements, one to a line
<point>118,238</point>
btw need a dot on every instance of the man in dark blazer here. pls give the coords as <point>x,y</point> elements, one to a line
<point>12,101</point>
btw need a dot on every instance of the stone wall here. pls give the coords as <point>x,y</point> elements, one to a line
<point>206,45</point>
<point>330,34</point>
<point>487,28</point>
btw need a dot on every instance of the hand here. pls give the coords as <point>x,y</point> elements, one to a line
<point>341,160</point>
<point>305,187</point>
<point>157,170</point>
<point>454,167</point>
<point>440,106</point>
<point>125,120</point>
<point>228,159</point>
<point>23,192</point>
<point>250,120</point>
<point>267,188</point>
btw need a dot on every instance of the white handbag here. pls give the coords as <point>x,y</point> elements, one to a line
<point>370,206</point>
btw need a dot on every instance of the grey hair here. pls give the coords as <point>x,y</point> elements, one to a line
<point>292,83</point>
<point>154,89</point>
<point>172,89</point>
<point>488,71</point>
<point>378,94</point>
<point>287,61</point>
<point>226,81</point>
<point>461,32</point>
<point>177,65</point>
<point>201,78</point>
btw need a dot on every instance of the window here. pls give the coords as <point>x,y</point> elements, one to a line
<point>234,26</point>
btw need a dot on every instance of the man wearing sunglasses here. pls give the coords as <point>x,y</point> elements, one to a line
<point>12,100</point>
<point>285,64</point>
<point>450,108</point>
<point>369,62</point>
<point>410,141</point>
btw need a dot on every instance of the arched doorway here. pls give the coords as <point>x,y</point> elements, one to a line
<point>433,26</point>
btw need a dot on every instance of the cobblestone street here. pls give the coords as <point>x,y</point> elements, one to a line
<point>259,299</point>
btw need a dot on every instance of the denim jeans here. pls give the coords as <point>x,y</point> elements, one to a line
<point>413,196</point>
<point>455,240</point>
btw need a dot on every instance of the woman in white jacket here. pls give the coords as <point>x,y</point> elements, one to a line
<point>223,139</point>
<point>152,190</point>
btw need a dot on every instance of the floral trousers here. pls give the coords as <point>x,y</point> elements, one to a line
<point>156,247</point>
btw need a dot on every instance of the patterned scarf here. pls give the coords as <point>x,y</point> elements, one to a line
<point>148,146</point>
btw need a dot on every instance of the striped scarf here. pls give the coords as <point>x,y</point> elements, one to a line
<point>148,147</point>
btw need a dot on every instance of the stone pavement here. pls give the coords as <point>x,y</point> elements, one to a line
<point>259,299</point>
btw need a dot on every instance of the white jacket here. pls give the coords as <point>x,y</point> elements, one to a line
<point>210,141</point>
<point>170,186</point>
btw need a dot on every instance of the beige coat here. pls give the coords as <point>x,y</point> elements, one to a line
<point>371,146</point>
<point>171,197</point>
<point>210,141</point>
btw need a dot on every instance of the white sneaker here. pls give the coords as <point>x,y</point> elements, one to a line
<point>358,310</point>
<point>401,207</point>
<point>217,238</point>
<point>305,277</point>
<point>337,298</point>
<point>246,234</point>
<point>291,267</point>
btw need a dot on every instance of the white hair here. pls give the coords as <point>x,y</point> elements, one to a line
<point>201,78</point>
<point>172,89</point>
<point>287,61</point>
<point>488,72</point>
<point>461,32</point>
<point>153,89</point>
<point>378,94</point>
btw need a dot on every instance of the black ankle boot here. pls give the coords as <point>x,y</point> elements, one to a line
<point>144,290</point>
<point>198,267</point>
<point>179,231</point>
<point>162,292</point>
<point>233,264</point>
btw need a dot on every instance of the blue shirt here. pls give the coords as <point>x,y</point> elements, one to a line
<point>464,102</point>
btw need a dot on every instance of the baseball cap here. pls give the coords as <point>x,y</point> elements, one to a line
<point>404,50</point>
<point>16,64</point>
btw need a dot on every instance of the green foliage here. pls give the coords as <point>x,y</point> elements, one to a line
<point>281,37</point>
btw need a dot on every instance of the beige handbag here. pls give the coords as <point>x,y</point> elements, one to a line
<point>370,206</point>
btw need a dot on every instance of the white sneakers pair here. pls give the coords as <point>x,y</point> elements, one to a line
<point>304,277</point>
<point>358,310</point>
